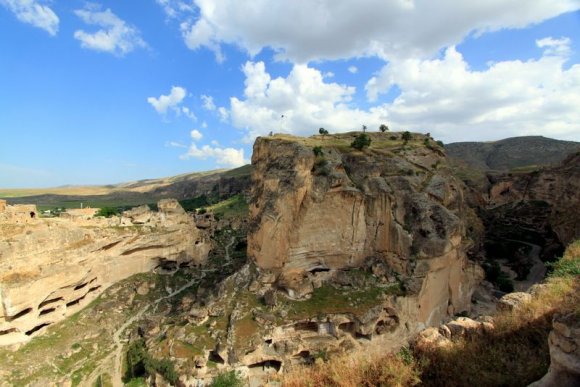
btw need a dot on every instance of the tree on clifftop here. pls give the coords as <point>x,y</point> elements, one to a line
<point>323,131</point>
<point>361,141</point>
<point>407,136</point>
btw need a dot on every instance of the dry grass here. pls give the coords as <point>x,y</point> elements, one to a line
<point>515,353</point>
<point>356,370</point>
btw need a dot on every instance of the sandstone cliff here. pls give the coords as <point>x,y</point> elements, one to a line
<point>51,268</point>
<point>394,207</point>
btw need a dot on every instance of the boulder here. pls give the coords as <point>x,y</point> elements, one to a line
<point>513,301</point>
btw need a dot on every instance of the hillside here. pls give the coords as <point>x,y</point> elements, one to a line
<point>218,184</point>
<point>511,153</point>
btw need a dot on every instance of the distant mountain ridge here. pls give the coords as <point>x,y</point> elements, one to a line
<point>510,153</point>
<point>218,184</point>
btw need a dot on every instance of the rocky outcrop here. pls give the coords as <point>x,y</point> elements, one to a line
<point>50,268</point>
<point>396,208</point>
<point>555,189</point>
<point>564,342</point>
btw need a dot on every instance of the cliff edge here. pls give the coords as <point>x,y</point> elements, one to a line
<point>321,206</point>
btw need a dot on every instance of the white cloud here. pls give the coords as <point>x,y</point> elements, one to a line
<point>33,12</point>
<point>204,124</point>
<point>558,47</point>
<point>201,34</point>
<point>114,36</point>
<point>196,135</point>
<point>447,98</point>
<point>353,69</point>
<point>173,100</point>
<point>208,102</point>
<point>224,114</point>
<point>227,157</point>
<point>175,8</point>
<point>175,144</point>
<point>188,113</point>
<point>328,74</point>
<point>300,104</point>
<point>302,31</point>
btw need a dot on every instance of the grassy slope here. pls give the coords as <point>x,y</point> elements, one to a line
<point>515,353</point>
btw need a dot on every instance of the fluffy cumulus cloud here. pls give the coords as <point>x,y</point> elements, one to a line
<point>444,96</point>
<point>35,13</point>
<point>226,157</point>
<point>300,104</point>
<point>114,35</point>
<point>202,34</point>
<point>196,135</point>
<point>171,101</point>
<point>301,30</point>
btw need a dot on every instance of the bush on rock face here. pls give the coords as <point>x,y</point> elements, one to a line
<point>361,141</point>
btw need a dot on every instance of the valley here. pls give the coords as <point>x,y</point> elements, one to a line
<point>317,251</point>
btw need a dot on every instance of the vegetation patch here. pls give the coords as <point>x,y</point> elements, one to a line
<point>329,299</point>
<point>235,206</point>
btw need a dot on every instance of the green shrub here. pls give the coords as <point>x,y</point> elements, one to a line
<point>407,136</point>
<point>228,379</point>
<point>141,364</point>
<point>361,141</point>
<point>323,131</point>
<point>317,151</point>
<point>107,212</point>
<point>564,268</point>
<point>383,128</point>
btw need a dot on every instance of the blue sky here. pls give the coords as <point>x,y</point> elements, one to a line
<point>105,92</point>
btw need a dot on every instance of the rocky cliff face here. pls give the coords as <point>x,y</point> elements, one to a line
<point>554,188</point>
<point>51,268</point>
<point>393,207</point>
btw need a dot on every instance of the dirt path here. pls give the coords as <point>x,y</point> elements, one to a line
<point>113,363</point>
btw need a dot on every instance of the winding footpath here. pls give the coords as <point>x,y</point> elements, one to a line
<point>116,356</point>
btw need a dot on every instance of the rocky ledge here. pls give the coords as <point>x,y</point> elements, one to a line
<point>51,268</point>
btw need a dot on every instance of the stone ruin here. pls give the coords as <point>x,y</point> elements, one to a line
<point>18,213</point>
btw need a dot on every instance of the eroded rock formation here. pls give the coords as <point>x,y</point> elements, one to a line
<point>564,342</point>
<point>50,268</point>
<point>396,208</point>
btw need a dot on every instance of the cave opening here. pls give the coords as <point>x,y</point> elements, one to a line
<point>44,312</point>
<point>20,314</point>
<point>308,326</point>
<point>36,329</point>
<point>48,302</point>
<point>215,358</point>
<point>271,365</point>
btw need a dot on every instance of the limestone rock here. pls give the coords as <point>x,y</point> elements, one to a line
<point>513,301</point>
<point>51,268</point>
<point>564,343</point>
<point>399,207</point>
